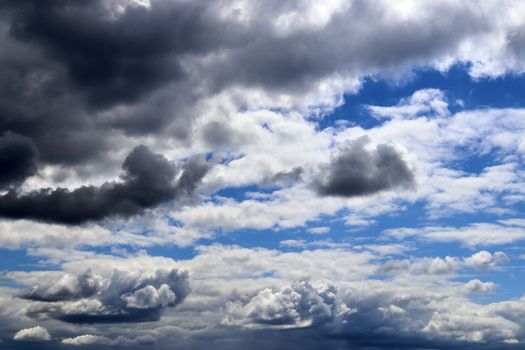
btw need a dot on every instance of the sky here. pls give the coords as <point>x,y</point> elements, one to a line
<point>232,174</point>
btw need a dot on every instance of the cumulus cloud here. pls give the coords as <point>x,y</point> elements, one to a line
<point>68,287</point>
<point>356,171</point>
<point>381,314</point>
<point>254,296</point>
<point>149,180</point>
<point>478,286</point>
<point>121,297</point>
<point>298,305</point>
<point>37,333</point>
<point>485,260</point>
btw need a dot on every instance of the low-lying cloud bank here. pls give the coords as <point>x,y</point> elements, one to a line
<point>124,296</point>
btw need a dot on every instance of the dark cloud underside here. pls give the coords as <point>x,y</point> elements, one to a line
<point>356,171</point>
<point>122,297</point>
<point>67,66</point>
<point>149,180</point>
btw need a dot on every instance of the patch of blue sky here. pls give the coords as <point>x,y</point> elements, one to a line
<point>243,192</point>
<point>462,92</point>
<point>20,260</point>
<point>173,251</point>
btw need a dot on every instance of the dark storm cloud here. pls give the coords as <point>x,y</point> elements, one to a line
<point>122,297</point>
<point>75,73</point>
<point>18,159</point>
<point>65,66</point>
<point>356,171</point>
<point>120,58</point>
<point>149,180</point>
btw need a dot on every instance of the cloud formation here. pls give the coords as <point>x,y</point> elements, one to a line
<point>255,86</point>
<point>121,297</point>
<point>149,180</point>
<point>297,305</point>
<point>357,171</point>
<point>37,333</point>
<point>78,74</point>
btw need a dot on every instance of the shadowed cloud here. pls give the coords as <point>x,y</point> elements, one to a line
<point>149,180</point>
<point>357,171</point>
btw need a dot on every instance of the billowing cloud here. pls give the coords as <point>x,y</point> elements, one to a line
<point>121,297</point>
<point>357,171</point>
<point>78,74</point>
<point>149,180</point>
<point>68,287</point>
<point>485,260</point>
<point>298,305</point>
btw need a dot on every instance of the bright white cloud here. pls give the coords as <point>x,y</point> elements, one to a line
<point>37,333</point>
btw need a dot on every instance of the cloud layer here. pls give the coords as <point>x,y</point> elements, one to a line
<point>250,174</point>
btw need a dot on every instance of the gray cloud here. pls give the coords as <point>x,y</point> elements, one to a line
<point>373,315</point>
<point>356,171</point>
<point>285,178</point>
<point>122,297</point>
<point>75,73</point>
<point>69,287</point>
<point>149,180</point>
<point>18,159</point>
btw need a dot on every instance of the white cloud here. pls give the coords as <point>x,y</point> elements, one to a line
<point>478,286</point>
<point>485,260</point>
<point>37,333</point>
<point>477,234</point>
<point>299,305</point>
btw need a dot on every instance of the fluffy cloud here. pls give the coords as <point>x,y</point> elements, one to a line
<point>485,260</point>
<point>241,292</point>
<point>121,297</point>
<point>148,181</point>
<point>298,305</point>
<point>37,333</point>
<point>478,286</point>
<point>358,171</point>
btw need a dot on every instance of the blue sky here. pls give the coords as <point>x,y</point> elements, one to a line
<point>341,175</point>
